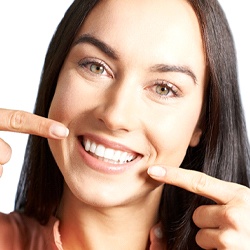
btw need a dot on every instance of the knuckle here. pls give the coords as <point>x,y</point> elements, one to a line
<point>199,238</point>
<point>200,184</point>
<point>197,215</point>
<point>42,127</point>
<point>17,119</point>
<point>244,194</point>
<point>226,239</point>
<point>231,215</point>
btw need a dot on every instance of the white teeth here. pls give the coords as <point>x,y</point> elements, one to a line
<point>108,154</point>
<point>87,145</point>
<point>123,157</point>
<point>117,155</point>
<point>130,158</point>
<point>100,150</point>
<point>93,147</point>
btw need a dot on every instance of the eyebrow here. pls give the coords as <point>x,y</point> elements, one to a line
<point>174,68</point>
<point>105,48</point>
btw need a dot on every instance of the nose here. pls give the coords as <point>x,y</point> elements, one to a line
<point>118,108</point>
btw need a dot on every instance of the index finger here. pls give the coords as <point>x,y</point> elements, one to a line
<point>221,192</point>
<point>28,123</point>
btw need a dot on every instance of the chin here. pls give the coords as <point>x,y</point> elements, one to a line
<point>106,193</point>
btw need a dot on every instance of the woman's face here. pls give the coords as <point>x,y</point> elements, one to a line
<point>130,92</point>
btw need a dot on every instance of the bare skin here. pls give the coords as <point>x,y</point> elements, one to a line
<point>122,95</point>
<point>223,226</point>
<point>24,122</point>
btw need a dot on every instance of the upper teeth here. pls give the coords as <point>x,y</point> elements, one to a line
<point>116,156</point>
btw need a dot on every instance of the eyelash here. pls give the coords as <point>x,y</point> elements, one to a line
<point>88,62</point>
<point>170,87</point>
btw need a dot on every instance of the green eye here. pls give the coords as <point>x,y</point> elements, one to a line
<point>97,69</point>
<point>162,90</point>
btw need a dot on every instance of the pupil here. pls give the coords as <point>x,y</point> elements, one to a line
<point>163,90</point>
<point>96,69</point>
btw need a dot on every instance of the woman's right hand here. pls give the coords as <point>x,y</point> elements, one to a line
<point>24,122</point>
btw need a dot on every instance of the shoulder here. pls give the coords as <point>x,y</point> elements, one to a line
<point>7,234</point>
<point>18,231</point>
<point>7,223</point>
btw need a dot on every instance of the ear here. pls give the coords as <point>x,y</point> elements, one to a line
<point>195,137</point>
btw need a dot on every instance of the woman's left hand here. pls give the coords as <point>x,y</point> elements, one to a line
<point>223,226</point>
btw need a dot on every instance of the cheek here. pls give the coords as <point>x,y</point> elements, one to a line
<point>64,108</point>
<point>61,106</point>
<point>66,101</point>
<point>171,137</point>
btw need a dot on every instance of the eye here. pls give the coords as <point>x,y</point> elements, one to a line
<point>166,89</point>
<point>95,67</point>
<point>162,90</point>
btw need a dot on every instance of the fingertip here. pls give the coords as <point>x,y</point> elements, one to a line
<point>157,171</point>
<point>59,131</point>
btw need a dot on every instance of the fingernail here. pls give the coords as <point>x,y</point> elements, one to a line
<point>59,131</point>
<point>158,232</point>
<point>157,171</point>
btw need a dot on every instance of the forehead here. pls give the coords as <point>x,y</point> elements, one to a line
<point>151,16</point>
<point>162,29</point>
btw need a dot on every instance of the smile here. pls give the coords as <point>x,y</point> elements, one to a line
<point>106,154</point>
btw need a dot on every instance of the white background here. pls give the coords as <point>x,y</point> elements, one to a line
<point>26,28</point>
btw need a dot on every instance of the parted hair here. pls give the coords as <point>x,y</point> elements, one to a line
<point>223,151</point>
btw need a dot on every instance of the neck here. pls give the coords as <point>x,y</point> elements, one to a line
<point>122,227</point>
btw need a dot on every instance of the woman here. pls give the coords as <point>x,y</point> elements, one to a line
<point>171,100</point>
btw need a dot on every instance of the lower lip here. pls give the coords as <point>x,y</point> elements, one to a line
<point>105,167</point>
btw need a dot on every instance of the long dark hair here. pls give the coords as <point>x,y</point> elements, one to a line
<point>224,148</point>
<point>41,183</point>
<point>223,151</point>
